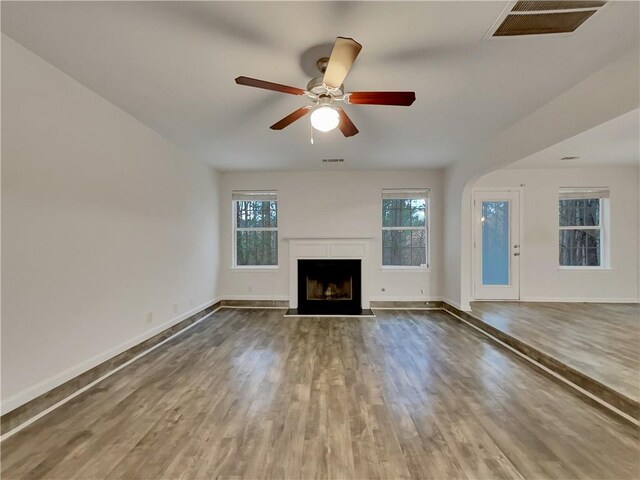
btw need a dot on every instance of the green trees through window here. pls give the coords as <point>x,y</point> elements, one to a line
<point>256,232</point>
<point>580,232</point>
<point>404,230</point>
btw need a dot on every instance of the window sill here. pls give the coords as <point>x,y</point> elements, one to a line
<point>400,268</point>
<point>256,268</point>
<point>584,269</point>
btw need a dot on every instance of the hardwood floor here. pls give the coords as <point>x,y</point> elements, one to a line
<point>601,340</point>
<point>250,394</point>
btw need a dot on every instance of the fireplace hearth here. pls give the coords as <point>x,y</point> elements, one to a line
<point>330,287</point>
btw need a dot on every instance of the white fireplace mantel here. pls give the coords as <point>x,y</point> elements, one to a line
<point>350,248</point>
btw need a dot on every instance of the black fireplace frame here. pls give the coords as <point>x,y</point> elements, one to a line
<point>330,307</point>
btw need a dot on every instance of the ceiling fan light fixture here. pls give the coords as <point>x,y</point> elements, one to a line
<point>325,118</point>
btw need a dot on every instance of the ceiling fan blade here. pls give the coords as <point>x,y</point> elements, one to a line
<point>289,119</point>
<point>254,82</point>
<point>344,53</point>
<point>382,98</point>
<point>346,126</point>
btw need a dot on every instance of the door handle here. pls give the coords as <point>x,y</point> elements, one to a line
<point>516,254</point>
<point>516,246</point>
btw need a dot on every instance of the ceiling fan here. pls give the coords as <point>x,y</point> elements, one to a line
<point>327,91</point>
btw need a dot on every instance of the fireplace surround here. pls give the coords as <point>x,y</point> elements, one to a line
<point>329,248</point>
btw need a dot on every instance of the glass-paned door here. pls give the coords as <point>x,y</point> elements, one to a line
<point>497,245</point>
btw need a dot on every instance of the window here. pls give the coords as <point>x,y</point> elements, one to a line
<point>255,229</point>
<point>582,235</point>
<point>404,228</point>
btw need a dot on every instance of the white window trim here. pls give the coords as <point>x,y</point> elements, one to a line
<point>427,223</point>
<point>577,268</point>
<point>236,229</point>
<point>405,268</point>
<point>604,242</point>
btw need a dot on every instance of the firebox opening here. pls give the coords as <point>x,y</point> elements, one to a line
<point>336,290</point>
<point>329,287</point>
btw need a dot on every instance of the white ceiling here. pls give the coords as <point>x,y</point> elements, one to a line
<point>613,143</point>
<point>172,65</point>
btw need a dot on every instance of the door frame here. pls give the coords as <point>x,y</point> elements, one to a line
<point>474,252</point>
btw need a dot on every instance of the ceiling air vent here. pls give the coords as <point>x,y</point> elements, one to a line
<point>541,6</point>
<point>333,160</point>
<point>539,18</point>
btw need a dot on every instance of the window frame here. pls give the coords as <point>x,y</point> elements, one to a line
<point>602,228</point>
<point>427,223</point>
<point>236,229</point>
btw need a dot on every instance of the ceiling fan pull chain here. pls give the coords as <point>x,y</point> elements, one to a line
<point>311,129</point>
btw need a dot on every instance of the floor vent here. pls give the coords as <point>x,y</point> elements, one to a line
<point>333,160</point>
<point>540,18</point>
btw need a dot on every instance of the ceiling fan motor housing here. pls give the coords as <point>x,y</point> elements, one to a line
<point>316,86</point>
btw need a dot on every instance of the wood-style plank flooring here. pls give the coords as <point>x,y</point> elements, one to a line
<point>250,394</point>
<point>601,340</point>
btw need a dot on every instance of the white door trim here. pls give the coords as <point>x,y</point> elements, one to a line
<point>474,241</point>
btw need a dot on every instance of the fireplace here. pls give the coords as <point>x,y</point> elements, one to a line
<point>329,287</point>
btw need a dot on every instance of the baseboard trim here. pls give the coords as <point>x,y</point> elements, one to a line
<point>404,299</point>
<point>59,393</point>
<point>257,298</point>
<point>576,300</point>
<point>255,303</point>
<point>406,305</point>
<point>402,304</point>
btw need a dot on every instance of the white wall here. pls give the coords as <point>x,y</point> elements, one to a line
<point>540,277</point>
<point>606,94</point>
<point>331,204</point>
<point>103,221</point>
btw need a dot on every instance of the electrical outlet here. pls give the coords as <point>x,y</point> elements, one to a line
<point>250,288</point>
<point>175,308</point>
<point>422,290</point>
<point>150,317</point>
<point>191,301</point>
